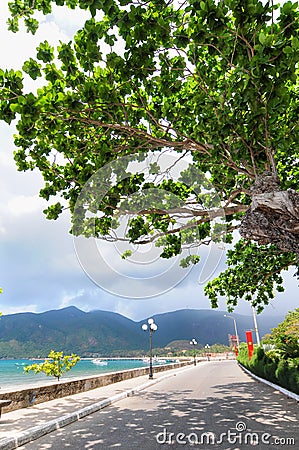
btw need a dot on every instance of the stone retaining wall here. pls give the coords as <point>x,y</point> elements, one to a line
<point>22,398</point>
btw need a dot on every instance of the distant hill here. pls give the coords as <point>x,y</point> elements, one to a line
<point>68,329</point>
<point>207,326</point>
<point>103,332</point>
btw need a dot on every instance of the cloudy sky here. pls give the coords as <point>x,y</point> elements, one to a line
<point>42,268</point>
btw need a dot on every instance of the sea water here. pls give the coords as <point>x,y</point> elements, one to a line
<point>12,370</point>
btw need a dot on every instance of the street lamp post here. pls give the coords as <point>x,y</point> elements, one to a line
<point>256,330</point>
<point>151,327</point>
<point>207,347</point>
<point>236,330</point>
<point>194,342</point>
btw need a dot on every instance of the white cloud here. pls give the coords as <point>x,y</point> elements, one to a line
<point>22,204</point>
<point>69,20</point>
<point>69,298</point>
<point>6,160</point>
<point>20,46</point>
<point>16,309</point>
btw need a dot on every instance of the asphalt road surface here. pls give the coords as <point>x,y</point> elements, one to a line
<point>214,405</point>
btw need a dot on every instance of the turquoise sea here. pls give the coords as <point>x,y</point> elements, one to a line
<point>12,370</point>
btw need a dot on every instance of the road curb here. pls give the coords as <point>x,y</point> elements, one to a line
<point>34,433</point>
<point>274,386</point>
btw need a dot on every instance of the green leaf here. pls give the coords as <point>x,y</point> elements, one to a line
<point>262,38</point>
<point>202,123</point>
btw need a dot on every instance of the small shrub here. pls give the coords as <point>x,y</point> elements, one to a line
<point>293,381</point>
<point>56,365</point>
<point>282,372</point>
<point>269,371</point>
<point>277,360</point>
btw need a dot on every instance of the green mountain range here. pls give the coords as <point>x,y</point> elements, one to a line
<point>105,333</point>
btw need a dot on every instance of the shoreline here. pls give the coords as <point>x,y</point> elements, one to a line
<point>30,380</point>
<point>28,396</point>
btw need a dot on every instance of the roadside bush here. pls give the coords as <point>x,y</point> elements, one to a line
<point>243,355</point>
<point>287,376</point>
<point>256,364</point>
<point>267,365</point>
<point>282,372</point>
<point>294,381</point>
<point>269,371</point>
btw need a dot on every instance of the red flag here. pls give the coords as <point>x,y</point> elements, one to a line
<point>249,343</point>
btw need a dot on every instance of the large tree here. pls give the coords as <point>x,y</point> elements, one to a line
<point>214,83</point>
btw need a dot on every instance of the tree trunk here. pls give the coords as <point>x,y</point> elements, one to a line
<point>273,217</point>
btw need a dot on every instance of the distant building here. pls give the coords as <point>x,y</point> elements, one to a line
<point>233,341</point>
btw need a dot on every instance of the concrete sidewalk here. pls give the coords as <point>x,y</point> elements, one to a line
<point>24,425</point>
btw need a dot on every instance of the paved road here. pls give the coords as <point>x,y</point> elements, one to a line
<point>213,405</point>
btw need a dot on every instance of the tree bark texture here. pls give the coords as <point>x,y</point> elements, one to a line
<point>273,217</point>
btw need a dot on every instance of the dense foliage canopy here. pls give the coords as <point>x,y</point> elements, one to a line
<point>285,337</point>
<point>214,83</point>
